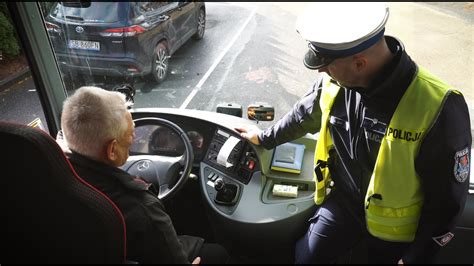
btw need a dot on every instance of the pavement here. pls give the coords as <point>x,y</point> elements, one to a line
<point>12,79</point>
<point>439,37</point>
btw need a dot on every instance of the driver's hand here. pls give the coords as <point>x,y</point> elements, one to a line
<point>249,132</point>
<point>197,260</point>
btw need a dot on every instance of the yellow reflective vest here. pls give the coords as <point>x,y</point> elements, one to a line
<point>394,197</point>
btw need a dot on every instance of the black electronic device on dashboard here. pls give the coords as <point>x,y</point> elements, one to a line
<point>230,109</point>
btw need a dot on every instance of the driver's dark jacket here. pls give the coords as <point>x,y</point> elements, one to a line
<point>151,237</point>
<point>357,146</point>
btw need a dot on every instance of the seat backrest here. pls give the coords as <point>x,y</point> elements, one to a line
<point>50,214</point>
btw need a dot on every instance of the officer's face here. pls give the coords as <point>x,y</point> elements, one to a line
<point>341,70</point>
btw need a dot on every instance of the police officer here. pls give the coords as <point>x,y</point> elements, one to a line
<point>393,153</point>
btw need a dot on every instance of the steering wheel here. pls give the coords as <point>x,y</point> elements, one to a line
<point>167,173</point>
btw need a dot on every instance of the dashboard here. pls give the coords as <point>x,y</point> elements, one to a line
<point>225,162</point>
<point>208,143</point>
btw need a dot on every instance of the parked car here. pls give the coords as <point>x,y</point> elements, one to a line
<point>122,39</point>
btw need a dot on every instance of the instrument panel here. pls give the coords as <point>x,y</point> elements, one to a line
<point>161,140</point>
<point>219,147</point>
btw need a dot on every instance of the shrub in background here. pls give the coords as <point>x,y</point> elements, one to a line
<point>8,42</point>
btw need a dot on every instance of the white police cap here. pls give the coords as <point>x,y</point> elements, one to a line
<point>336,30</point>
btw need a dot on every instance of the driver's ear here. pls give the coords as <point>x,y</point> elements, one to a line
<point>112,151</point>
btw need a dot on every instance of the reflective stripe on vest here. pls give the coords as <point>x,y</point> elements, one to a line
<point>394,197</point>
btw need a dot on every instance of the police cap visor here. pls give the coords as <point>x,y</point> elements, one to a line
<point>314,60</point>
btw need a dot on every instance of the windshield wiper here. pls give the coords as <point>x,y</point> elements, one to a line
<point>74,18</point>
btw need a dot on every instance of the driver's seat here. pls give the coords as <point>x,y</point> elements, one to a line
<point>50,214</point>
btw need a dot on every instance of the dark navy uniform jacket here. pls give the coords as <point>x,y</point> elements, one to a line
<point>358,121</point>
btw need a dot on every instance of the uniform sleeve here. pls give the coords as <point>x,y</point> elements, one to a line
<point>443,165</point>
<point>305,117</point>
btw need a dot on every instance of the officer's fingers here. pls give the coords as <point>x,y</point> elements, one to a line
<point>251,136</point>
<point>250,133</point>
<point>241,129</point>
<point>246,128</point>
<point>245,135</point>
<point>255,139</point>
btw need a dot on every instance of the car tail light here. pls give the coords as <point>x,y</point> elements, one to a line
<point>132,69</point>
<point>52,27</point>
<point>123,32</point>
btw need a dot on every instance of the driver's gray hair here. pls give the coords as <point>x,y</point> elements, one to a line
<point>91,118</point>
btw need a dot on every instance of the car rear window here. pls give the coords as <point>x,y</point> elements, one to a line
<point>100,12</point>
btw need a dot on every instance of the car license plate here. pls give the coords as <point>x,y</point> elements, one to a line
<point>84,45</point>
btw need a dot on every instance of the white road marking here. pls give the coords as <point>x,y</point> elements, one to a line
<point>216,62</point>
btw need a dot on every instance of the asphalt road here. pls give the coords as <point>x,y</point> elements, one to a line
<point>440,37</point>
<point>252,53</point>
<point>20,103</point>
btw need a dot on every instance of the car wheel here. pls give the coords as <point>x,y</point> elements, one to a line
<point>201,25</point>
<point>160,62</point>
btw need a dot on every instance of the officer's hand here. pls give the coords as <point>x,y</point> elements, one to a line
<point>250,133</point>
<point>197,260</point>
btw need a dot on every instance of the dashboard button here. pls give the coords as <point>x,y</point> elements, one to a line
<point>211,175</point>
<point>251,164</point>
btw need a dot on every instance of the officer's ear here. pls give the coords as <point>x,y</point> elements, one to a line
<point>360,62</point>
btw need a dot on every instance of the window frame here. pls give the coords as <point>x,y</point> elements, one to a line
<point>30,26</point>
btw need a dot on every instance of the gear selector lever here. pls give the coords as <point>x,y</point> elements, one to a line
<point>227,193</point>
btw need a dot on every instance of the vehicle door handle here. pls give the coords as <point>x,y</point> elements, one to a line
<point>163,18</point>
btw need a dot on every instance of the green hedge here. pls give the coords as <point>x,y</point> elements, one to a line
<point>8,42</point>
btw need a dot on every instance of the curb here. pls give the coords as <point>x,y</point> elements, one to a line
<point>15,77</point>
